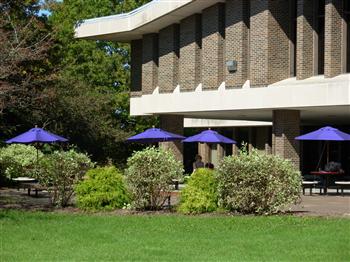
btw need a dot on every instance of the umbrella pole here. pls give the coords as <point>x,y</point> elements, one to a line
<point>37,159</point>
<point>327,152</point>
<point>319,161</point>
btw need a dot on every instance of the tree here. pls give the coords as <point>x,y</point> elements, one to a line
<point>93,93</point>
<point>24,69</point>
<point>73,87</point>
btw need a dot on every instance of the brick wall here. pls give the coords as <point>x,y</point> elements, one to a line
<point>173,124</point>
<point>136,67</point>
<point>258,43</point>
<point>269,41</point>
<point>213,19</point>
<point>305,44</point>
<point>333,37</point>
<point>190,52</point>
<point>278,40</point>
<point>257,34</point>
<point>168,58</point>
<point>237,41</point>
<point>286,126</point>
<point>149,63</point>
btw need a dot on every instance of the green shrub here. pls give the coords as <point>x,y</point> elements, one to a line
<point>19,160</point>
<point>257,183</point>
<point>103,189</point>
<point>200,194</point>
<point>149,177</point>
<point>60,172</point>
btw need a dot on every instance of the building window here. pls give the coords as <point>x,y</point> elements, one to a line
<point>319,30</point>
<point>347,34</point>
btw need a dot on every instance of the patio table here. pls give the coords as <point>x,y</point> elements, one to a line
<point>325,176</point>
<point>25,182</point>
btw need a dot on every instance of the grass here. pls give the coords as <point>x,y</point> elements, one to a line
<point>77,237</point>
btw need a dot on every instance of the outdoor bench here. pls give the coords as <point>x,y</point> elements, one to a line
<point>310,184</point>
<point>342,185</point>
<point>33,186</point>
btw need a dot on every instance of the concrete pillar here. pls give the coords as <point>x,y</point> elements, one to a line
<point>213,46</point>
<point>136,67</point>
<point>204,152</point>
<point>190,52</point>
<point>286,126</point>
<point>221,152</point>
<point>305,39</point>
<point>168,58</point>
<point>268,148</point>
<point>333,38</point>
<point>237,41</point>
<point>173,124</point>
<point>251,134</point>
<point>234,146</point>
<point>149,63</point>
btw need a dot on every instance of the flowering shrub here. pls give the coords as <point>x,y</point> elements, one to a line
<point>149,177</point>
<point>257,183</point>
<point>19,160</point>
<point>60,172</point>
<point>200,195</point>
<point>103,189</point>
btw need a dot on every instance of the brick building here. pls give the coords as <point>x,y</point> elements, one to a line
<point>262,71</point>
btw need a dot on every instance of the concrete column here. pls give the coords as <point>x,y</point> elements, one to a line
<point>237,41</point>
<point>268,148</point>
<point>333,38</point>
<point>221,152</point>
<point>204,152</point>
<point>234,146</point>
<point>251,134</point>
<point>305,39</point>
<point>149,63</point>
<point>136,67</point>
<point>173,124</point>
<point>168,58</point>
<point>190,52</point>
<point>213,19</point>
<point>286,126</point>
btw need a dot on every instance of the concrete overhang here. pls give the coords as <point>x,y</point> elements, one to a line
<point>319,99</point>
<point>149,18</point>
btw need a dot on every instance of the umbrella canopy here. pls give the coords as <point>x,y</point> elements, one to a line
<point>209,136</point>
<point>325,134</point>
<point>154,135</point>
<point>36,135</point>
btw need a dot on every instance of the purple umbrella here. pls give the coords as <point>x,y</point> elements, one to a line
<point>327,134</point>
<point>154,135</point>
<point>36,135</point>
<point>209,136</point>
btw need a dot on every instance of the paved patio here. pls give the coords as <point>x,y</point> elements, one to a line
<point>331,204</point>
<point>314,205</point>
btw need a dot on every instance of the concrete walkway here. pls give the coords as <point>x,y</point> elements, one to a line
<point>331,205</point>
<point>324,205</point>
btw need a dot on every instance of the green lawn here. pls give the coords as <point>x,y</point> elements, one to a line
<point>51,236</point>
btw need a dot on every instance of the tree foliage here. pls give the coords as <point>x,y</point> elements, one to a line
<point>257,183</point>
<point>25,69</point>
<point>149,177</point>
<point>74,87</point>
